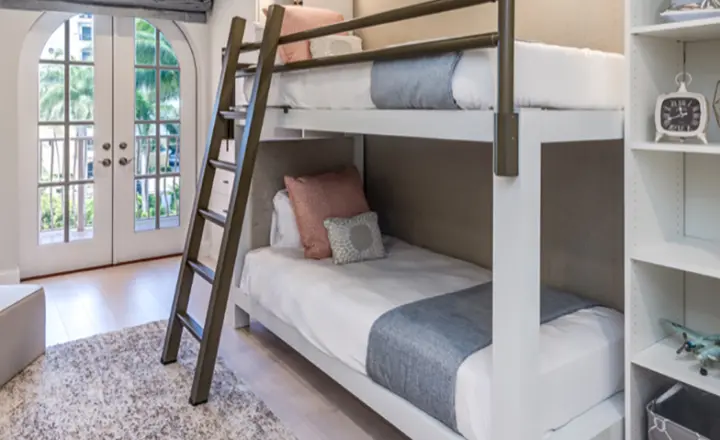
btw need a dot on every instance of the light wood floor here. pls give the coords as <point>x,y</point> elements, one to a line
<point>308,402</point>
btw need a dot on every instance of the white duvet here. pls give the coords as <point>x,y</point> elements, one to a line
<point>546,76</point>
<point>334,307</point>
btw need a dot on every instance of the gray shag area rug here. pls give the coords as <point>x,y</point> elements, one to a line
<point>113,386</point>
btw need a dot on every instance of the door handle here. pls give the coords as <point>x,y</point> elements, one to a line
<point>124,161</point>
<point>105,162</point>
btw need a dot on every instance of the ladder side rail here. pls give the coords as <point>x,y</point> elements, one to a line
<point>215,136</point>
<point>246,155</point>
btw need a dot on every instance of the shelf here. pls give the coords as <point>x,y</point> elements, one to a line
<point>690,255</point>
<point>662,359</point>
<point>692,30</point>
<point>677,147</point>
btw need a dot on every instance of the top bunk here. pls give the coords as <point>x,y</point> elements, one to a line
<point>470,88</point>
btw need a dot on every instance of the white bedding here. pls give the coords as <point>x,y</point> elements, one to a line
<point>334,307</point>
<point>546,76</point>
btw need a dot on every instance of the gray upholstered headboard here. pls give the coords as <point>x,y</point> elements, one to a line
<point>438,194</point>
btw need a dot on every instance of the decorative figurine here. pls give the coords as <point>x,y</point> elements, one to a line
<point>705,348</point>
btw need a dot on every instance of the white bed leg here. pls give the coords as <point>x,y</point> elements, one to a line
<point>241,318</point>
<point>516,292</point>
<point>359,154</point>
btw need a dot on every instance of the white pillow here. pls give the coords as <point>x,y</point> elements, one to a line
<point>283,229</point>
<point>332,45</point>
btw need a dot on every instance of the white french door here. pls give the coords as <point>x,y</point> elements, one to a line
<point>154,120</point>
<point>107,142</point>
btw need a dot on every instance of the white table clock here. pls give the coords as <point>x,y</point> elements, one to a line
<point>681,115</point>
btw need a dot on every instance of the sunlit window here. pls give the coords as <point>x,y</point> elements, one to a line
<point>65,133</point>
<point>157,130</point>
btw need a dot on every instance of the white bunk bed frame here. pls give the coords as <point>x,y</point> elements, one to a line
<point>516,248</point>
<point>516,265</point>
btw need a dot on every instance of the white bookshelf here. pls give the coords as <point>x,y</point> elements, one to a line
<point>672,216</point>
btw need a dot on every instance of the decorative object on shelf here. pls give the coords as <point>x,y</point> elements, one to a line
<point>683,413</point>
<point>706,348</point>
<point>681,115</point>
<point>684,10</point>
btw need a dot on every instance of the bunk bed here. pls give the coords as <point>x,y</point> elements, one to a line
<point>518,134</point>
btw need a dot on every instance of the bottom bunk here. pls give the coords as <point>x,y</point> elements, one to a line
<point>328,314</point>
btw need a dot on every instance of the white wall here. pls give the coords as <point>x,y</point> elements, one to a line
<point>14,26</point>
<point>219,26</point>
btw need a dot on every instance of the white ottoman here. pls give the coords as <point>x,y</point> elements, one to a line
<point>22,328</point>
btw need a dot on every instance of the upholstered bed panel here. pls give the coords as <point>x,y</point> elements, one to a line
<point>438,194</point>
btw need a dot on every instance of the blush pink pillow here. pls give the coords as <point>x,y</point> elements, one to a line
<point>316,198</point>
<point>303,18</point>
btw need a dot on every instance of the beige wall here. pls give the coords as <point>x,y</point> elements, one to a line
<point>593,24</point>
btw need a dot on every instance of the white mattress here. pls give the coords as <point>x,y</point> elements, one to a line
<point>546,76</point>
<point>334,307</point>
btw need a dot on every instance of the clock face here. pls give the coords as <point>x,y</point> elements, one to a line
<point>681,115</point>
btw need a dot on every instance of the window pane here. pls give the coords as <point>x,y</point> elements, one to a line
<point>52,93</point>
<point>145,204</point>
<point>169,95</point>
<point>169,129</point>
<point>55,47</point>
<point>81,38</point>
<point>82,87</point>
<point>145,156</point>
<point>145,43</point>
<point>167,54</point>
<point>81,212</point>
<point>51,141</point>
<point>169,202</point>
<point>81,152</point>
<point>145,129</point>
<point>145,94</point>
<point>51,222</point>
<point>169,154</point>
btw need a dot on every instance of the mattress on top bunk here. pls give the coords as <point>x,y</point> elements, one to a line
<point>334,308</point>
<point>546,76</point>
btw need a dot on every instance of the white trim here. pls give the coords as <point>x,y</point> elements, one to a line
<point>602,422</point>
<point>459,125</point>
<point>11,276</point>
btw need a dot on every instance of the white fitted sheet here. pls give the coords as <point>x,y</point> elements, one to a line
<point>546,76</point>
<point>334,307</point>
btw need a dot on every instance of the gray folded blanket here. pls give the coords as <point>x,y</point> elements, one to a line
<point>415,350</point>
<point>415,83</point>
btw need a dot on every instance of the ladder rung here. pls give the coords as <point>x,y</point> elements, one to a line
<point>205,272</point>
<point>231,115</point>
<point>222,165</point>
<point>191,325</point>
<point>213,217</point>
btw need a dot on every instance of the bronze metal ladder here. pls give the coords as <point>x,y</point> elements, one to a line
<point>246,153</point>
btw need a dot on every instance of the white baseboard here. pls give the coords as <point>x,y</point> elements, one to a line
<point>11,276</point>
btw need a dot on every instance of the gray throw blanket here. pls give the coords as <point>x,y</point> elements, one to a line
<point>415,350</point>
<point>416,83</point>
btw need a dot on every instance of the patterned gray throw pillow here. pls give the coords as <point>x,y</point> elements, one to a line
<point>355,239</point>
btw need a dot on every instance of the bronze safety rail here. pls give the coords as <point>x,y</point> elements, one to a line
<point>505,151</point>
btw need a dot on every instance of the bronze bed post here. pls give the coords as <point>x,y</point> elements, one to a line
<point>505,151</point>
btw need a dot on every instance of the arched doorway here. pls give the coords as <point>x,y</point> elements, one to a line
<point>107,115</point>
